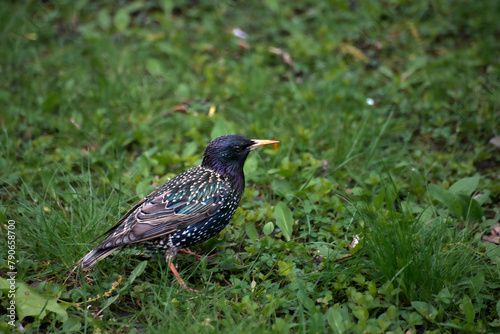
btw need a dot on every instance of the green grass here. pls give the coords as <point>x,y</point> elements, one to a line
<point>103,102</point>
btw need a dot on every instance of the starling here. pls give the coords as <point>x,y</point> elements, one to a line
<point>189,209</point>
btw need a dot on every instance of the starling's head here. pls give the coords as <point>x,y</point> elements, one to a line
<point>227,154</point>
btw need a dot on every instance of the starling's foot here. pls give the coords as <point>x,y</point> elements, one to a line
<point>198,257</point>
<point>169,258</point>
<point>179,278</point>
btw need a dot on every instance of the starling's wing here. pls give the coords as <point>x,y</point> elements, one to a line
<point>99,252</point>
<point>185,200</point>
<point>128,214</point>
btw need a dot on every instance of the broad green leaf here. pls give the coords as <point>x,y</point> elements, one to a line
<point>143,188</point>
<point>451,201</point>
<point>336,318</point>
<point>361,313</point>
<point>373,178</point>
<point>426,215</point>
<point>282,187</point>
<point>440,314</point>
<point>273,5</point>
<point>378,201</point>
<point>251,231</point>
<point>137,271</point>
<point>110,301</point>
<point>392,312</point>
<point>268,228</point>
<point>324,250</point>
<point>285,268</point>
<point>384,322</point>
<point>133,275</point>
<point>368,301</point>
<point>413,318</point>
<point>425,309</point>
<point>250,165</point>
<point>385,70</point>
<point>154,66</point>
<point>471,209</point>
<point>30,303</point>
<point>167,6</point>
<point>468,309</point>
<point>444,296</point>
<point>190,149</point>
<point>121,19</point>
<point>280,326</point>
<point>287,168</point>
<point>483,197</point>
<point>103,19</point>
<point>493,252</point>
<point>222,127</point>
<point>4,285</point>
<point>417,182</point>
<point>466,185</point>
<point>72,325</point>
<point>477,283</point>
<point>304,299</point>
<point>284,219</point>
<point>50,102</point>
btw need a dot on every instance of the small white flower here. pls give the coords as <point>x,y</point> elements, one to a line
<point>239,33</point>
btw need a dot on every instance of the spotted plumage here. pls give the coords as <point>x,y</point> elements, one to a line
<point>189,209</point>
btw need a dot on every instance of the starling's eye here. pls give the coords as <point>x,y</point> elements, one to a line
<point>237,148</point>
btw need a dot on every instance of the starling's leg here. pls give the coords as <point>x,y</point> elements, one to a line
<point>169,258</point>
<point>178,276</point>
<point>199,257</point>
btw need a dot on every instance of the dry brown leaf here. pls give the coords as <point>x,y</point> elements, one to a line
<point>275,50</point>
<point>492,239</point>
<point>244,45</point>
<point>182,108</point>
<point>495,230</point>
<point>495,141</point>
<point>284,55</point>
<point>287,58</point>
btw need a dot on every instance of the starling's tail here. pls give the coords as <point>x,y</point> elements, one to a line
<point>89,260</point>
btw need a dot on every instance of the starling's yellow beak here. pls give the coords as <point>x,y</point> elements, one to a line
<point>259,143</point>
